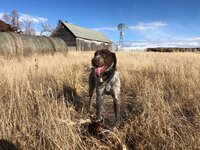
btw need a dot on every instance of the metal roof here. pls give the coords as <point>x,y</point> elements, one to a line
<point>85,33</point>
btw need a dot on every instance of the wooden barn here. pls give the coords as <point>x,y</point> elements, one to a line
<point>81,39</point>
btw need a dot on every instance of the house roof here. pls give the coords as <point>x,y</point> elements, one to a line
<point>85,33</point>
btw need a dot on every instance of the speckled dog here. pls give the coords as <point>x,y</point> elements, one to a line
<point>105,78</point>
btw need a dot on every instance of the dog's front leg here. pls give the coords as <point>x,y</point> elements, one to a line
<point>92,84</point>
<point>116,99</point>
<point>116,102</point>
<point>99,102</point>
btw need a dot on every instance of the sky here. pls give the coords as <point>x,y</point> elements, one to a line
<point>150,23</point>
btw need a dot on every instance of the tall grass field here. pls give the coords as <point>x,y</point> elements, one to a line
<point>43,99</point>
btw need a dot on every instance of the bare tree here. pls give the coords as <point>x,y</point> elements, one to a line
<point>13,19</point>
<point>29,27</point>
<point>46,29</point>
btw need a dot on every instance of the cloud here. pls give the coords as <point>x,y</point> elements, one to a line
<point>138,27</point>
<point>24,17</point>
<point>149,30</point>
<point>148,26</point>
<point>182,43</point>
<point>106,29</point>
<point>1,16</point>
<point>152,30</point>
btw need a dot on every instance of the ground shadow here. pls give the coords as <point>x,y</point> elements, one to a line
<point>7,145</point>
<point>72,98</point>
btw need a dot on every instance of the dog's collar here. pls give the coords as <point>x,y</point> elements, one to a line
<point>107,75</point>
<point>109,68</point>
<point>106,79</point>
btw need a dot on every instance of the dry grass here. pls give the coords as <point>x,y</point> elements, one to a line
<point>42,96</point>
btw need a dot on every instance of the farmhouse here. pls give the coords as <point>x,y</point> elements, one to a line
<point>81,39</point>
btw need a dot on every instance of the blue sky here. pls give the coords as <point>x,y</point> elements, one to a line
<point>150,22</point>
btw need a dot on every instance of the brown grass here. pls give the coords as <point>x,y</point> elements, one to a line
<point>42,98</point>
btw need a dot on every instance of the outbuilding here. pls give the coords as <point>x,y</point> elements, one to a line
<point>81,39</point>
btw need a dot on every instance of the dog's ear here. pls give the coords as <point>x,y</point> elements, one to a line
<point>114,59</point>
<point>95,53</point>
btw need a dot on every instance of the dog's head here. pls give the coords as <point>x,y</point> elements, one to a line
<point>102,60</point>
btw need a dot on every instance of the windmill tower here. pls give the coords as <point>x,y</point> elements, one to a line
<point>121,27</point>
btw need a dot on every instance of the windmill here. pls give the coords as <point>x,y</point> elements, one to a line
<point>121,27</point>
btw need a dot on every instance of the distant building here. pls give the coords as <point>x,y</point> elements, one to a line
<point>172,49</point>
<point>4,27</point>
<point>81,39</point>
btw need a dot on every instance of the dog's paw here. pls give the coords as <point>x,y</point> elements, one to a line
<point>94,118</point>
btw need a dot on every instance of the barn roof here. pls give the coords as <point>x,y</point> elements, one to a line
<point>85,33</point>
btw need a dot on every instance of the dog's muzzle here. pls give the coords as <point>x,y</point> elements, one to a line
<point>98,61</point>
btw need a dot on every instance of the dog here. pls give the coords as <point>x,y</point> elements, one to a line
<point>105,78</point>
